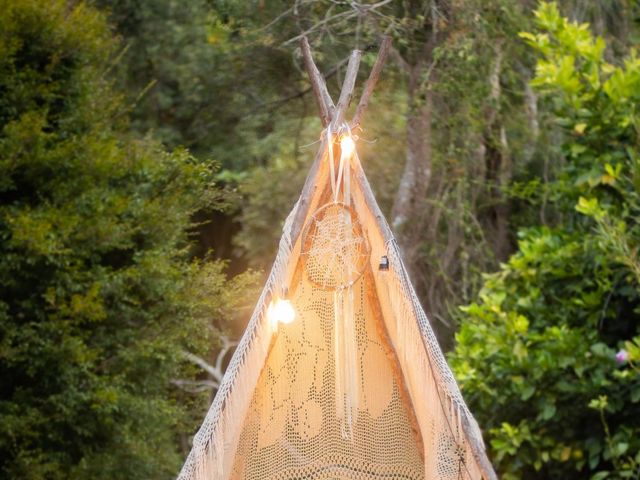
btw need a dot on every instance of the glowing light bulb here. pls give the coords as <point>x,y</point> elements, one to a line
<point>282,311</point>
<point>347,146</point>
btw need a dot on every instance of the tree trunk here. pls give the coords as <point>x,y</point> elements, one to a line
<point>409,200</point>
<point>498,172</point>
<point>498,166</point>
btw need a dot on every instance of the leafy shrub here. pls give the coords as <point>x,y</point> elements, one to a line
<point>97,292</point>
<point>549,355</point>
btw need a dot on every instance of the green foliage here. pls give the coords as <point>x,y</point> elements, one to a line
<point>165,64</point>
<point>536,353</point>
<point>97,294</point>
<point>197,78</point>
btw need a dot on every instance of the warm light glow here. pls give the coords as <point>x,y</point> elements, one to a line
<point>347,146</point>
<point>280,310</point>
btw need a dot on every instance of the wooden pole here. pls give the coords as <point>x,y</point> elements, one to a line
<point>323,99</point>
<point>347,89</point>
<point>385,46</point>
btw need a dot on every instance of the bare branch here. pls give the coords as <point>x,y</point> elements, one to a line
<point>347,88</point>
<point>195,386</point>
<point>323,99</point>
<point>202,364</point>
<point>278,18</point>
<point>227,345</point>
<point>348,14</point>
<point>281,101</point>
<point>402,62</point>
<point>216,371</point>
<point>372,80</point>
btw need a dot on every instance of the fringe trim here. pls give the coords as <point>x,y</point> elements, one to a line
<point>208,458</point>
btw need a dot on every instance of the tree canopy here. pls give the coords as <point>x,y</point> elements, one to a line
<point>98,295</point>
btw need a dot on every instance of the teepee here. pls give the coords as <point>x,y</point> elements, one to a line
<point>339,374</point>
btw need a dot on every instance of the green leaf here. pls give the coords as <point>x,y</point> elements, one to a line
<point>621,448</point>
<point>527,392</point>
<point>548,411</point>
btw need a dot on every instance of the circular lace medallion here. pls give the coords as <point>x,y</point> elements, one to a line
<point>334,247</point>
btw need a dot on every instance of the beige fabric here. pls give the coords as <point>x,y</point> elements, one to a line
<point>277,414</point>
<point>291,429</point>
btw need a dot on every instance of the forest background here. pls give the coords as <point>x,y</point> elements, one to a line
<point>151,149</point>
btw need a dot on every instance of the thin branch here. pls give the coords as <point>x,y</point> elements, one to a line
<point>404,65</point>
<point>227,345</point>
<point>347,89</point>
<point>348,14</point>
<point>372,80</point>
<point>277,19</point>
<point>203,364</point>
<point>323,99</point>
<point>402,62</point>
<point>195,386</point>
<point>301,93</point>
<point>216,371</point>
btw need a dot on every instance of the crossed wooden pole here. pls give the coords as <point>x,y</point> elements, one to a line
<point>333,114</point>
